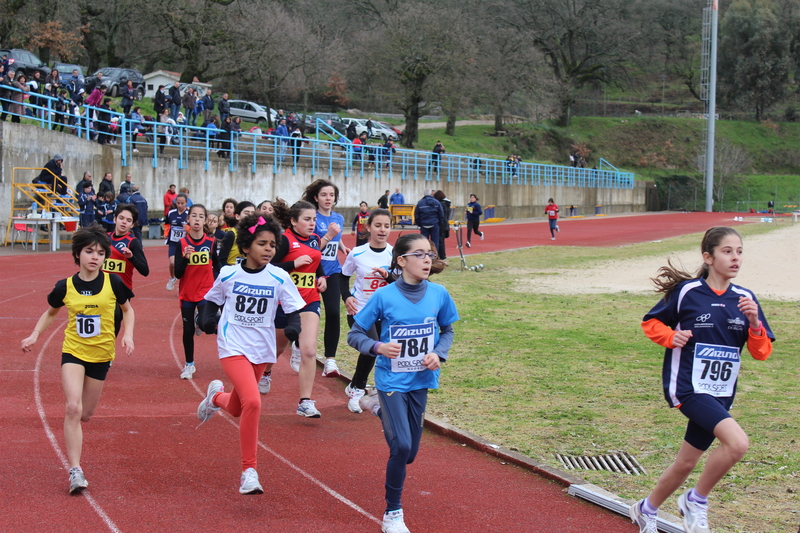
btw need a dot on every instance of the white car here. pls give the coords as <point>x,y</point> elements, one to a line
<point>379,131</point>
<point>251,111</point>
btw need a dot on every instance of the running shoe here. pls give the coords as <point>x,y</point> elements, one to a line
<point>370,402</point>
<point>306,408</point>
<point>264,383</point>
<point>171,283</point>
<point>77,481</point>
<point>482,234</point>
<point>647,522</point>
<point>469,245</point>
<point>552,238</point>
<point>695,515</point>
<point>249,483</point>
<point>206,409</point>
<point>558,229</point>
<point>331,370</point>
<point>393,522</point>
<point>188,371</point>
<point>294,362</point>
<point>355,394</point>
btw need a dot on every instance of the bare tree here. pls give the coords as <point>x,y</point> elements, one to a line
<point>731,163</point>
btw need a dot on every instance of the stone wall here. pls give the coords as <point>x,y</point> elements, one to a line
<point>32,146</point>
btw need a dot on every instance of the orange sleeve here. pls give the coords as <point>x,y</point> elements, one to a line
<point>658,332</point>
<point>759,346</point>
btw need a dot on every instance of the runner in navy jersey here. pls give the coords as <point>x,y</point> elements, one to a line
<point>176,220</point>
<point>703,321</point>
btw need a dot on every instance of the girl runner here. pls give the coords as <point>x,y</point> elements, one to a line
<point>127,253</point>
<point>176,219</point>
<point>195,265</point>
<point>359,228</point>
<point>551,210</point>
<point>248,293</point>
<point>298,253</point>
<point>229,219</point>
<point>474,213</point>
<point>229,253</point>
<point>416,334</point>
<point>264,208</point>
<point>703,321</point>
<point>324,195</point>
<point>370,263</point>
<point>89,339</point>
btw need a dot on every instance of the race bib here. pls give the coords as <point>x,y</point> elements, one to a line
<point>116,266</point>
<point>371,284</point>
<point>176,233</point>
<point>415,341</point>
<point>87,325</point>
<point>304,280</point>
<point>330,250</point>
<point>251,305</point>
<point>551,213</point>
<point>199,258</point>
<point>715,369</point>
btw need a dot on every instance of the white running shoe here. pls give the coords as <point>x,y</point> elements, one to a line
<point>188,371</point>
<point>249,483</point>
<point>647,522</point>
<point>469,245</point>
<point>695,515</point>
<point>558,229</point>
<point>171,283</point>
<point>331,369</point>
<point>552,238</point>
<point>264,383</point>
<point>135,151</point>
<point>393,522</point>
<point>306,408</point>
<point>355,394</point>
<point>206,409</point>
<point>294,362</point>
<point>482,234</point>
<point>77,481</point>
<point>370,402</point>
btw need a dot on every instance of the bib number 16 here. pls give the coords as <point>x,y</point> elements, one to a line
<point>87,325</point>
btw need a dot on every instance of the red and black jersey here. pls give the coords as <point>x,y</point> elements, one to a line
<point>304,277</point>
<point>197,271</point>
<point>121,265</point>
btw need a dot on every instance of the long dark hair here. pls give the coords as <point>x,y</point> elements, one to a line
<point>284,214</point>
<point>403,246</point>
<point>312,191</point>
<point>670,277</point>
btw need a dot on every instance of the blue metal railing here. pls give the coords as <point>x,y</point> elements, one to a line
<point>243,150</point>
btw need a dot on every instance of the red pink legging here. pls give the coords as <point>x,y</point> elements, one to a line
<point>243,401</point>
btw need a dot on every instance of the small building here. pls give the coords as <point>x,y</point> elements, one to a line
<point>167,78</point>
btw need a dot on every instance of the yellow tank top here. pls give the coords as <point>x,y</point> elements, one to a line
<point>234,255</point>
<point>90,331</point>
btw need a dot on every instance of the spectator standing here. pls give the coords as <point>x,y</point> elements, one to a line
<point>17,97</point>
<point>429,216</point>
<point>383,201</point>
<point>174,100</point>
<point>103,121</point>
<point>189,101</point>
<point>104,210</point>
<point>128,96</point>
<point>160,102</point>
<point>224,108</point>
<point>75,83</point>
<point>297,141</point>
<point>94,83</point>
<point>86,201</point>
<point>106,184</point>
<point>369,128</point>
<point>444,231</point>
<point>54,80</point>
<point>169,198</point>
<point>5,93</point>
<point>350,133</point>
<point>208,106</point>
<point>397,197</point>
<point>282,132</point>
<point>36,85</point>
<point>436,156</point>
<point>125,186</point>
<point>224,138</point>
<point>140,203</point>
<point>137,126</point>
<point>389,150</point>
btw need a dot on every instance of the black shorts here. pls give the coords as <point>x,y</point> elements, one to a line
<point>96,371</point>
<point>280,316</point>
<point>173,248</point>
<point>704,413</point>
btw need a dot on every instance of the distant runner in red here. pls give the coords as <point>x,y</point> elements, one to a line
<point>552,217</point>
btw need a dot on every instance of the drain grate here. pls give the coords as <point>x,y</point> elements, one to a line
<point>621,462</point>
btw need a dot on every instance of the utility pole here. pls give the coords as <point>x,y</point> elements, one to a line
<point>712,106</point>
<point>663,82</point>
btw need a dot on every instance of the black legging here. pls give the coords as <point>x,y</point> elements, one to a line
<point>472,225</point>
<point>187,314</point>
<point>331,299</point>
<point>365,362</point>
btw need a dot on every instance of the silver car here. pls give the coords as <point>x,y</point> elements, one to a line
<point>251,111</point>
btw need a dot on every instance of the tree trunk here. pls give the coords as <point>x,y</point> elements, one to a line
<point>450,128</point>
<point>566,112</point>
<point>498,121</point>
<point>412,112</point>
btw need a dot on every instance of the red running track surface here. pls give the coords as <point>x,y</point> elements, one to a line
<point>150,468</point>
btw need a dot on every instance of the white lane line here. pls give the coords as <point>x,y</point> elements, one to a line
<point>51,436</point>
<point>338,496</point>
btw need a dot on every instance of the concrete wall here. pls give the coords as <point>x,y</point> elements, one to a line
<point>32,146</point>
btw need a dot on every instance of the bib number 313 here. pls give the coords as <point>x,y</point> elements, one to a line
<point>415,341</point>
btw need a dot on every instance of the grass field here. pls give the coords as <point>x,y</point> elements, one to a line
<point>545,374</point>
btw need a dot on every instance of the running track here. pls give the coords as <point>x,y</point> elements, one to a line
<point>151,469</point>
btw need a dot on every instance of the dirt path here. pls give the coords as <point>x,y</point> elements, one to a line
<point>435,125</point>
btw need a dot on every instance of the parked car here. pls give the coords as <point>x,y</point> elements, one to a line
<point>328,116</point>
<point>65,70</point>
<point>398,133</point>
<point>114,78</point>
<point>26,62</point>
<point>251,111</point>
<point>378,131</point>
<point>199,90</point>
